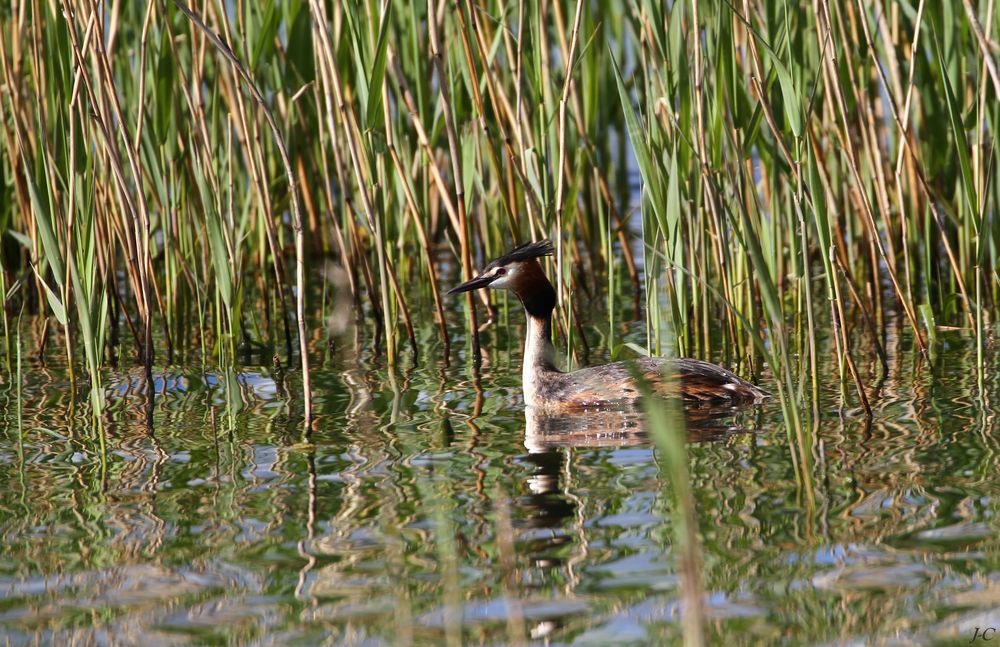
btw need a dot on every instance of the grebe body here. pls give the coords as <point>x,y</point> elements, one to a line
<point>545,386</point>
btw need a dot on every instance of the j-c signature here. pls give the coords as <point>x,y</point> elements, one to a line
<point>985,634</point>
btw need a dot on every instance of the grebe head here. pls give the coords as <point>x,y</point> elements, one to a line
<point>517,270</point>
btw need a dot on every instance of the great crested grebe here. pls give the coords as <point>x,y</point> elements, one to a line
<point>547,387</point>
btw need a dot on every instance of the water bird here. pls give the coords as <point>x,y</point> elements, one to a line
<point>545,386</point>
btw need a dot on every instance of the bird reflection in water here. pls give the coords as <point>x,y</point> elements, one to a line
<point>545,431</point>
<point>548,435</point>
<point>547,517</point>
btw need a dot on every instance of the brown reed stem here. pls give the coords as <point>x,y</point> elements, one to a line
<point>456,167</point>
<point>300,277</point>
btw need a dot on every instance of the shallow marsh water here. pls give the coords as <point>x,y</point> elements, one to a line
<point>421,513</point>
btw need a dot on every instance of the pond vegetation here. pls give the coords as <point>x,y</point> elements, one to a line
<point>227,231</point>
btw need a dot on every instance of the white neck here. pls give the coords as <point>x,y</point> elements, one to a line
<point>539,356</point>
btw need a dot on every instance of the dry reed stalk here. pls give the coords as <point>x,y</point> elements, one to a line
<point>576,110</point>
<point>906,145</point>
<point>561,176</point>
<point>293,194</point>
<point>132,226</point>
<point>836,95</point>
<point>255,165</point>
<point>349,130</point>
<point>710,195</point>
<point>986,48</point>
<point>431,159</point>
<point>523,134</point>
<point>501,108</point>
<point>411,203</point>
<point>456,166</point>
<point>845,342</point>
<point>506,195</point>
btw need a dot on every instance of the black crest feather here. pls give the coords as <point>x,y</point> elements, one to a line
<point>525,252</point>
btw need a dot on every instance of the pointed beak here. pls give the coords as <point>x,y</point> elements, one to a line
<point>472,284</point>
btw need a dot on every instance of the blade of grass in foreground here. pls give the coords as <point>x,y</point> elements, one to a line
<point>665,424</point>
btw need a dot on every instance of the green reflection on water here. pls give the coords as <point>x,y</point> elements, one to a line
<point>409,520</point>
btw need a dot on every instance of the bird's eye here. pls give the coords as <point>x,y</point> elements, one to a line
<point>501,271</point>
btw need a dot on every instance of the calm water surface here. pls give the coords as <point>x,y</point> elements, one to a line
<point>421,513</point>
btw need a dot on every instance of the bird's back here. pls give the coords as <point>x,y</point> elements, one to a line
<point>613,384</point>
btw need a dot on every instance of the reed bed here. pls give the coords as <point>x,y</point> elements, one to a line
<point>169,176</point>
